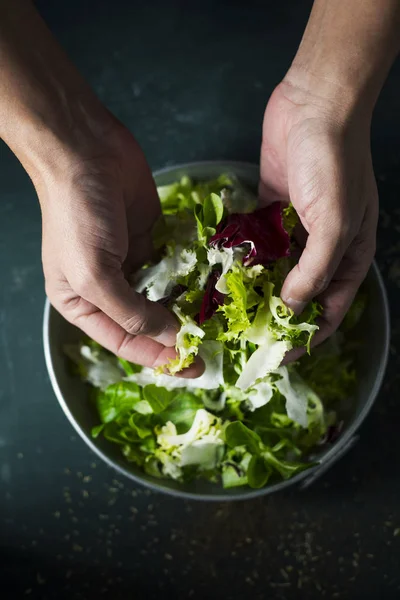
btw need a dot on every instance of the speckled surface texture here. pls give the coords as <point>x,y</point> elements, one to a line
<point>191,80</point>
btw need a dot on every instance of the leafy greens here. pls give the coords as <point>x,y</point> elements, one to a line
<point>247,420</point>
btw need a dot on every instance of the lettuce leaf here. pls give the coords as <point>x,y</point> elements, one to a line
<point>95,365</point>
<point>201,446</point>
<point>116,400</point>
<point>187,343</point>
<point>159,280</point>
<point>212,354</point>
<point>259,394</point>
<point>241,298</point>
<point>182,411</point>
<point>265,461</point>
<point>263,361</point>
<point>177,197</point>
<point>285,328</point>
<point>208,215</point>
<point>246,420</point>
<point>235,466</point>
<point>296,393</point>
<point>289,218</point>
<point>224,258</point>
<point>185,194</point>
<point>158,398</point>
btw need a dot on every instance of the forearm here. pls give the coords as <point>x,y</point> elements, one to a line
<point>348,48</point>
<point>44,102</point>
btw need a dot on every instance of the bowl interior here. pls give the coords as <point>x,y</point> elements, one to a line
<point>73,394</point>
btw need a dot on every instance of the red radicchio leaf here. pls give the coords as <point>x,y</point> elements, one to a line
<point>212,299</point>
<point>262,231</point>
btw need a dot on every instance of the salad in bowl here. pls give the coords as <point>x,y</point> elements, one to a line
<point>248,420</point>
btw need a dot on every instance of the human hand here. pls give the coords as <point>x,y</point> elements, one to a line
<point>316,153</point>
<point>96,192</point>
<point>98,212</point>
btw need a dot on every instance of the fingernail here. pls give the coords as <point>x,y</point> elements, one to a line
<point>195,370</point>
<point>168,336</point>
<point>296,305</point>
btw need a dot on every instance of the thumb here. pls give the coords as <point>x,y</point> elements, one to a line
<point>132,311</point>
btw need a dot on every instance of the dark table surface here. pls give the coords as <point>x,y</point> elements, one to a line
<point>191,80</point>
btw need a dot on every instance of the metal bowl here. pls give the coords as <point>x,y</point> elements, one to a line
<point>371,361</point>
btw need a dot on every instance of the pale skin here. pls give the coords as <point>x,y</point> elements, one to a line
<point>99,201</point>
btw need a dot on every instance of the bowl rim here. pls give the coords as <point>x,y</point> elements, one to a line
<point>157,486</point>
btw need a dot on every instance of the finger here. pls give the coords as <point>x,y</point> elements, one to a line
<point>339,295</point>
<point>353,269</point>
<point>140,350</point>
<point>325,247</point>
<point>335,302</point>
<point>293,355</point>
<point>195,370</point>
<point>300,235</point>
<point>131,311</point>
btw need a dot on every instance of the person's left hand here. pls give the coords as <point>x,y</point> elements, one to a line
<point>99,204</point>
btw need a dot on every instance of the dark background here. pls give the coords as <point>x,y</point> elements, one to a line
<point>191,80</point>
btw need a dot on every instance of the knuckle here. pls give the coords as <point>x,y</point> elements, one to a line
<point>318,283</point>
<point>85,283</point>
<point>315,283</point>
<point>136,325</point>
<point>362,251</point>
<point>345,231</point>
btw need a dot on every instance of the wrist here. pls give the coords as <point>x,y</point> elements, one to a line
<point>333,96</point>
<point>51,139</point>
<point>347,50</point>
<point>48,113</point>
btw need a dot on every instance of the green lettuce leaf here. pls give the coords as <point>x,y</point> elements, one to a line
<point>158,397</point>
<point>187,345</point>
<point>246,420</point>
<point>208,215</point>
<point>258,472</point>
<point>177,197</point>
<point>234,467</point>
<point>182,411</point>
<point>241,297</point>
<point>237,434</point>
<point>141,424</point>
<point>117,399</point>
<point>185,194</point>
<point>128,367</point>
<point>289,218</point>
<point>265,460</point>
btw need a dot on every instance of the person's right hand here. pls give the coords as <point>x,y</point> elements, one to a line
<point>316,153</point>
<point>98,208</point>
